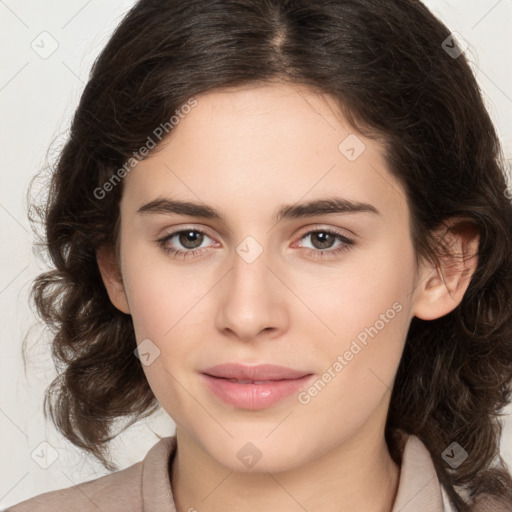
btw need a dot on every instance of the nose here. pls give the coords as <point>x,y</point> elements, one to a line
<point>254,301</point>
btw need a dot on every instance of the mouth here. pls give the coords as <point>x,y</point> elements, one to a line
<point>249,381</point>
<point>254,387</point>
<point>258,373</point>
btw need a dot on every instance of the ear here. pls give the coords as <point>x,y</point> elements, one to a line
<point>112,278</point>
<point>440,290</point>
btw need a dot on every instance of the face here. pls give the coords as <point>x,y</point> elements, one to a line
<point>328,293</point>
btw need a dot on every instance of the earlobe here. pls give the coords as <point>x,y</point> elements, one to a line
<point>112,278</point>
<point>441,289</point>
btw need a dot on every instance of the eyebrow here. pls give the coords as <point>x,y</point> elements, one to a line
<point>291,211</point>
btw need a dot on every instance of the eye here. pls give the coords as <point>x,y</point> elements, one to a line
<point>323,239</point>
<point>190,239</point>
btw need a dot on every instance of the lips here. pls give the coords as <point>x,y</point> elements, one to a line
<point>254,387</point>
<point>262,373</point>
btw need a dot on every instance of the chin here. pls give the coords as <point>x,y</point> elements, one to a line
<point>255,454</point>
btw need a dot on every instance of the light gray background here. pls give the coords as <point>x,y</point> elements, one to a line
<point>37,98</point>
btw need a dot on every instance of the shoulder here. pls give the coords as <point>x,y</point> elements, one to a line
<point>121,491</point>
<point>419,483</point>
<point>110,492</point>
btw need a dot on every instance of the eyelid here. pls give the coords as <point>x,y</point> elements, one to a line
<point>304,231</point>
<point>319,227</point>
<point>174,230</point>
<point>346,243</point>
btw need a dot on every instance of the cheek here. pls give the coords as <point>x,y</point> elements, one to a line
<point>352,296</point>
<point>360,361</point>
<point>167,307</point>
<point>160,294</point>
<point>163,304</point>
<point>361,316</point>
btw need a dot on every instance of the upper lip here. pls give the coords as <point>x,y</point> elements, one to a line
<point>258,372</point>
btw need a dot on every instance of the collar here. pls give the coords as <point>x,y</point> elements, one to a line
<point>156,484</point>
<point>419,489</point>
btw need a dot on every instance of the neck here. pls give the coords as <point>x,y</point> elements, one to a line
<point>346,478</point>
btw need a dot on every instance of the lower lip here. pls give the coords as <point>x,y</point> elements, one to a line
<point>254,396</point>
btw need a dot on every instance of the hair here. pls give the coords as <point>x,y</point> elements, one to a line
<point>384,63</point>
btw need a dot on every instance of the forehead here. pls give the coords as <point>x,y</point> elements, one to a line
<point>263,146</point>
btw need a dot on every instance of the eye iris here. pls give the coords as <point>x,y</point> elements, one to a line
<point>193,239</point>
<point>187,237</point>
<point>326,239</point>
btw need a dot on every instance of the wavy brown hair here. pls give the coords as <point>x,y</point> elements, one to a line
<point>385,64</point>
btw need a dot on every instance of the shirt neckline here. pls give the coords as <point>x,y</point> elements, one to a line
<point>419,489</point>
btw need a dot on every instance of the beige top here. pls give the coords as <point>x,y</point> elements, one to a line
<point>145,486</point>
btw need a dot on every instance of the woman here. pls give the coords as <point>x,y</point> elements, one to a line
<point>286,223</point>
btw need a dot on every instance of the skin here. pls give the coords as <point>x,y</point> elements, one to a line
<point>246,152</point>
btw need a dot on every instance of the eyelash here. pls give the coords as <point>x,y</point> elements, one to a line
<point>346,244</point>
